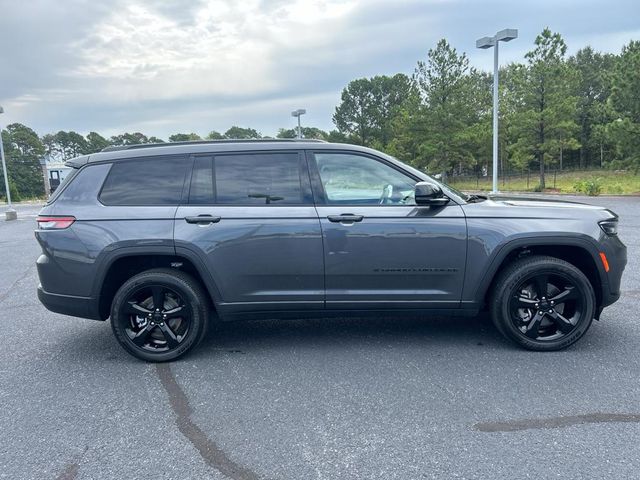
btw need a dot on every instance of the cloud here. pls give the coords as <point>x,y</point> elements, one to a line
<point>162,66</point>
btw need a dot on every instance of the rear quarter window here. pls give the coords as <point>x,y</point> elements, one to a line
<point>145,181</point>
<point>62,185</point>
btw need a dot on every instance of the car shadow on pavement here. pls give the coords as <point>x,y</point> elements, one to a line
<point>241,337</point>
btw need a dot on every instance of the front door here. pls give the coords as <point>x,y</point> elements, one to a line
<point>250,217</point>
<point>380,249</point>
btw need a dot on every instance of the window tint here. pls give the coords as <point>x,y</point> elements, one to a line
<point>356,179</point>
<point>149,181</point>
<point>202,181</point>
<point>254,179</point>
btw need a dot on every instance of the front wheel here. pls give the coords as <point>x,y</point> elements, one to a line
<point>543,303</point>
<point>159,315</point>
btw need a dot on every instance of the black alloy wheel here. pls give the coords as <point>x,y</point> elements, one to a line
<point>546,307</point>
<point>159,315</point>
<point>542,303</point>
<point>158,318</point>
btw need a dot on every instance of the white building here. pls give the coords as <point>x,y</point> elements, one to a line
<point>57,171</point>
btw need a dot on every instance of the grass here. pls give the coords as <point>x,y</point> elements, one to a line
<point>608,181</point>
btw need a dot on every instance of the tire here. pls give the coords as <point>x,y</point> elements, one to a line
<point>160,334</point>
<point>542,303</point>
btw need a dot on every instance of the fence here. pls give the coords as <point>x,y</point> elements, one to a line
<point>521,180</point>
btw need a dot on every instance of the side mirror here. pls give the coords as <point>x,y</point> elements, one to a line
<point>429,194</point>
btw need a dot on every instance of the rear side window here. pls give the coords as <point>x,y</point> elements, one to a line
<point>251,179</point>
<point>148,181</point>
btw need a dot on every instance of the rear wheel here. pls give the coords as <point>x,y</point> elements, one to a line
<point>543,303</point>
<point>159,315</point>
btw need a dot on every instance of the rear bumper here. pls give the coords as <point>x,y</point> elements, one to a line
<point>84,307</point>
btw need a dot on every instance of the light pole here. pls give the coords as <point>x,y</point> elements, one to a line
<point>11,213</point>
<point>488,42</point>
<point>298,113</point>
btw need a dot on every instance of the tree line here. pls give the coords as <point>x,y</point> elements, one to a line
<point>555,110</point>
<point>582,110</point>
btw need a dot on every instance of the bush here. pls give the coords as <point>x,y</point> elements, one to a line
<point>538,188</point>
<point>15,196</point>
<point>591,187</point>
<point>615,189</point>
<point>578,187</point>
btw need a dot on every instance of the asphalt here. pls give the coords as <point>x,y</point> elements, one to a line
<point>348,398</point>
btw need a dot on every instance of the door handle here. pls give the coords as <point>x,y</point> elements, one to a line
<point>202,219</point>
<point>345,218</point>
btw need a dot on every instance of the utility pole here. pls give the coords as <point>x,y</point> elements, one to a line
<point>11,213</point>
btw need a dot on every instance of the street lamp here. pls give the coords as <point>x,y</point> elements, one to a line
<point>298,113</point>
<point>11,213</point>
<point>484,43</point>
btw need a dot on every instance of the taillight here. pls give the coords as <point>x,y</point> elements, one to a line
<point>54,223</point>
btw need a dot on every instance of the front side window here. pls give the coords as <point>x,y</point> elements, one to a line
<point>250,179</point>
<point>145,181</point>
<point>358,180</point>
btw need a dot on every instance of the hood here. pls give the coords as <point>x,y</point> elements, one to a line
<point>534,202</point>
<point>532,207</point>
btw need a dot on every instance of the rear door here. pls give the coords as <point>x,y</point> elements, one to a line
<point>381,250</point>
<point>250,218</point>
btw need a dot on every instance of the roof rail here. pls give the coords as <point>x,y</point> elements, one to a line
<point>115,148</point>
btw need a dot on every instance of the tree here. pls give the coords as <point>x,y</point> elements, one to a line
<point>368,106</point>
<point>65,145</point>
<point>446,85</point>
<point>23,151</point>
<point>184,137</point>
<point>354,115</point>
<point>96,142</point>
<point>307,132</point>
<point>335,136</point>
<point>546,121</point>
<point>241,133</point>
<point>592,91</point>
<point>213,135</point>
<point>625,101</point>
<point>133,139</point>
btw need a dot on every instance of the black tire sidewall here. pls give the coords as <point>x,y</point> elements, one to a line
<point>515,276</point>
<point>171,280</point>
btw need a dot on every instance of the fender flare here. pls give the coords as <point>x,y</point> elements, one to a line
<point>502,251</point>
<point>106,260</point>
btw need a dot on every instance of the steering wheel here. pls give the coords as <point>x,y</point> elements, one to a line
<point>387,193</point>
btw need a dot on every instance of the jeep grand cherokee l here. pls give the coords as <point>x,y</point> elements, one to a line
<point>163,238</point>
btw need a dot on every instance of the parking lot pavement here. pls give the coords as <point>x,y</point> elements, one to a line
<point>392,398</point>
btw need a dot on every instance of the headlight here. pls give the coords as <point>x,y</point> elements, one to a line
<point>610,227</point>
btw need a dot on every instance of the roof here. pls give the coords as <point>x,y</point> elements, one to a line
<point>203,147</point>
<point>114,148</point>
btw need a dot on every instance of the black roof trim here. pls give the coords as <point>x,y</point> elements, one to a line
<point>115,148</point>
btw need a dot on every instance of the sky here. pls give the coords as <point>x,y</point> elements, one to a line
<point>167,66</point>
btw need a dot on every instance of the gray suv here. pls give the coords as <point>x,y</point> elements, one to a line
<point>163,239</point>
